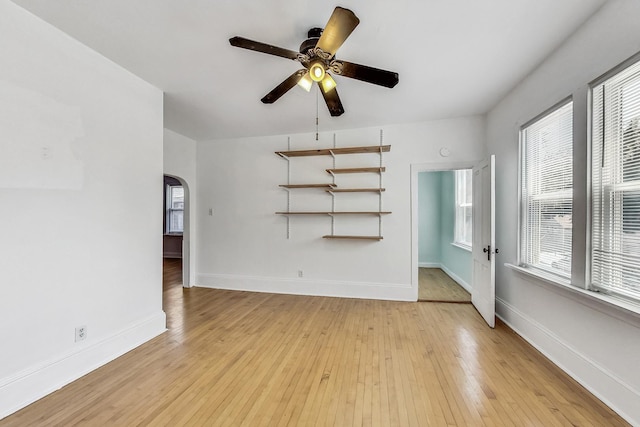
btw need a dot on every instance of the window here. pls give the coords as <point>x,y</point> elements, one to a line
<point>547,192</point>
<point>175,208</point>
<point>615,210</point>
<point>464,219</point>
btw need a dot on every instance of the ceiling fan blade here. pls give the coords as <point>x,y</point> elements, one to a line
<point>333,101</point>
<point>340,25</point>
<point>367,74</point>
<point>263,47</point>
<point>284,87</point>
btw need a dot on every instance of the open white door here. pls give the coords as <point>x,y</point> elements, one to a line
<point>483,294</point>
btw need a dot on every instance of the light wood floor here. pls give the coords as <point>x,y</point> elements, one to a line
<point>171,275</point>
<point>436,286</point>
<point>241,358</point>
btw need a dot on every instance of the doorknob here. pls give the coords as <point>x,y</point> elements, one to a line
<point>487,250</point>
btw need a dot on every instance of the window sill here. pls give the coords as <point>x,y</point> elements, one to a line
<point>461,246</point>
<point>173,234</point>
<point>596,300</point>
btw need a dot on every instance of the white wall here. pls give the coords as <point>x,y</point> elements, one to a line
<point>244,245</point>
<point>180,162</point>
<point>597,344</point>
<point>80,187</point>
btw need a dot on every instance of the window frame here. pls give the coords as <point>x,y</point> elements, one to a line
<point>460,210</point>
<point>621,297</point>
<point>545,274</point>
<point>169,210</point>
<point>578,288</point>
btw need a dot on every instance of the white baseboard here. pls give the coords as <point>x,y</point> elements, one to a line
<point>456,278</point>
<point>172,255</point>
<point>610,389</point>
<point>429,264</point>
<point>449,273</point>
<point>311,287</point>
<point>34,383</point>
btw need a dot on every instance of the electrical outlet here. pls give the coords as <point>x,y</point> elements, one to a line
<point>300,273</point>
<point>81,333</point>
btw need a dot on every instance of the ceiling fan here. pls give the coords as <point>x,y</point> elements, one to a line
<point>317,55</point>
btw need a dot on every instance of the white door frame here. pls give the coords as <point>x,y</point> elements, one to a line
<point>417,168</point>
<point>186,233</point>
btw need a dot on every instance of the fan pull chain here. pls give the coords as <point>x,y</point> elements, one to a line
<point>317,108</point>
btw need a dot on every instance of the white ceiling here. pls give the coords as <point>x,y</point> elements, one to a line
<point>454,57</point>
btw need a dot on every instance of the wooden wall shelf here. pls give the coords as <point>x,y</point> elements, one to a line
<point>366,183</point>
<point>335,151</point>
<point>356,170</point>
<point>322,186</point>
<point>355,190</point>
<point>335,213</point>
<point>333,236</point>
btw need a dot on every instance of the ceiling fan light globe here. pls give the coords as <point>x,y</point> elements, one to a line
<point>328,83</point>
<point>316,71</point>
<point>305,82</point>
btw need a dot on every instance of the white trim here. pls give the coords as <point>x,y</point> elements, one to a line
<point>429,264</point>
<point>632,60</point>
<point>462,246</point>
<point>558,105</point>
<point>456,278</point>
<point>172,255</point>
<point>310,287</point>
<point>540,274</point>
<point>188,235</point>
<point>35,382</point>
<point>610,305</point>
<point>416,168</point>
<point>599,381</point>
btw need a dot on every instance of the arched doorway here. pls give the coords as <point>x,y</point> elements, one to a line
<point>176,225</point>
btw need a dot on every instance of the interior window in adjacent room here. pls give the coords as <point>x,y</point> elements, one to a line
<point>464,219</point>
<point>175,209</point>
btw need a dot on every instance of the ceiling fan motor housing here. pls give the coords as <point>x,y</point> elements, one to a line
<point>314,35</point>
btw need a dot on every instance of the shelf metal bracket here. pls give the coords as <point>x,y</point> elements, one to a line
<point>380,186</point>
<point>288,192</point>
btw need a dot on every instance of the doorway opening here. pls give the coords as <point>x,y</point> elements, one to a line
<point>484,251</point>
<point>445,221</point>
<point>432,186</point>
<point>175,232</point>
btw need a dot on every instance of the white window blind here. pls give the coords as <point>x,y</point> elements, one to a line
<point>615,240</point>
<point>547,192</point>
<point>464,219</point>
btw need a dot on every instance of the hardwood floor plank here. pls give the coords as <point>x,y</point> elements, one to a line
<point>242,358</point>
<point>434,285</point>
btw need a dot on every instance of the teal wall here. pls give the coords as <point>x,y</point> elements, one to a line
<point>429,189</point>
<point>436,220</point>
